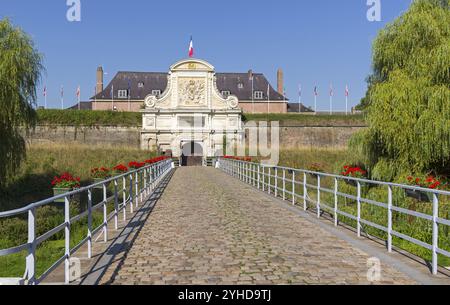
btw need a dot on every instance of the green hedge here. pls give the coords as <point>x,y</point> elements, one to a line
<point>110,118</point>
<point>88,118</point>
<point>298,119</point>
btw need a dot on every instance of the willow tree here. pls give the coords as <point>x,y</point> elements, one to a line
<point>409,95</point>
<point>20,72</point>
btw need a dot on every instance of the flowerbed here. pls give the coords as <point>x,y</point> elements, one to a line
<point>429,182</point>
<point>100,173</point>
<point>66,181</point>
<point>245,159</point>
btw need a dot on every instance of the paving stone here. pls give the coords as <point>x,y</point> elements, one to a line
<point>208,228</point>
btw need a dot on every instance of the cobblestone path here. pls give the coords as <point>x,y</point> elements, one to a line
<point>209,228</point>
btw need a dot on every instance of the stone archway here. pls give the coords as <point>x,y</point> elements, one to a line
<point>192,154</point>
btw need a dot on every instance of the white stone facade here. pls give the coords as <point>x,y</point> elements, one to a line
<point>191,116</point>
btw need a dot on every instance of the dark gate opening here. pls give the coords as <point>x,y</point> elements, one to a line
<point>192,154</point>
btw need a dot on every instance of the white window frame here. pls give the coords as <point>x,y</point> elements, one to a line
<point>258,95</point>
<point>226,93</point>
<point>140,85</point>
<point>240,85</point>
<point>122,93</point>
<point>156,92</point>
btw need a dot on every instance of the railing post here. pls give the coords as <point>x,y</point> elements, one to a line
<point>252,174</point>
<point>305,193</point>
<point>31,257</point>
<point>389,227</point>
<point>136,183</point>
<point>284,184</point>
<point>276,181</point>
<point>318,196</point>
<point>131,194</point>
<point>336,220</point>
<point>140,184</point>
<point>294,199</point>
<point>151,178</point>
<point>105,214</point>
<point>359,209</point>
<point>67,240</point>
<point>263,179</point>
<point>269,179</point>
<point>145,182</point>
<point>435,233</point>
<point>116,206</point>
<point>259,177</point>
<point>124,199</point>
<point>89,234</point>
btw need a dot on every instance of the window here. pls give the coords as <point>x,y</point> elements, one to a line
<point>226,94</point>
<point>156,92</point>
<point>122,93</point>
<point>241,86</point>
<point>259,95</point>
<point>141,85</point>
<point>191,122</point>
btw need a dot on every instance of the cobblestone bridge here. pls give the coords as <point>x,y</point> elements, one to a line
<point>206,227</point>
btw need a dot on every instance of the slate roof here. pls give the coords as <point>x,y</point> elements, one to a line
<point>296,107</point>
<point>158,81</point>
<point>83,106</point>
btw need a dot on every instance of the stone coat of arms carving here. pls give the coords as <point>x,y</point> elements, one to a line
<point>192,92</point>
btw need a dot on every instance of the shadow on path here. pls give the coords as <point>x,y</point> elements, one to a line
<point>118,250</point>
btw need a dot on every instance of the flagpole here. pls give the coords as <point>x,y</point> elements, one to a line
<point>253,94</point>
<point>79,98</point>
<point>95,99</point>
<point>331,99</point>
<point>45,103</point>
<point>112,97</point>
<point>331,105</point>
<point>346,105</point>
<point>62,97</point>
<point>346,100</point>
<point>268,100</point>
<point>299,98</point>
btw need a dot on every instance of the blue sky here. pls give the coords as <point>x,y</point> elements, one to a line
<point>314,42</point>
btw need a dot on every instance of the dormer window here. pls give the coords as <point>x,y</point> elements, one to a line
<point>258,95</point>
<point>226,94</point>
<point>122,93</point>
<point>241,86</point>
<point>156,93</point>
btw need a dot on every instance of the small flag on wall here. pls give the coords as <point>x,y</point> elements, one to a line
<point>346,91</point>
<point>191,48</point>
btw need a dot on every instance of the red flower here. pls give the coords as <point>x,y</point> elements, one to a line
<point>120,168</point>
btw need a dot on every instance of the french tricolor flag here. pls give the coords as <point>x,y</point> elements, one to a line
<point>191,48</point>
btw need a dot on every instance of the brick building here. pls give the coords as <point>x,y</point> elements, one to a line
<point>127,91</point>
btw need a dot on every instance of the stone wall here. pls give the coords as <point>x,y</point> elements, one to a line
<point>290,137</point>
<point>106,135</point>
<point>295,137</point>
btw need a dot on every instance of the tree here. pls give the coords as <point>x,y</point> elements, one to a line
<point>408,99</point>
<point>20,73</point>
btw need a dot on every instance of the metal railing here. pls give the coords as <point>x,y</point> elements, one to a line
<point>139,184</point>
<point>285,182</point>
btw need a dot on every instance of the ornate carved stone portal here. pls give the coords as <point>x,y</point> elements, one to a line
<point>191,112</point>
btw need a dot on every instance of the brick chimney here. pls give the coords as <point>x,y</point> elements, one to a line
<point>99,85</point>
<point>280,81</point>
<point>250,74</point>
